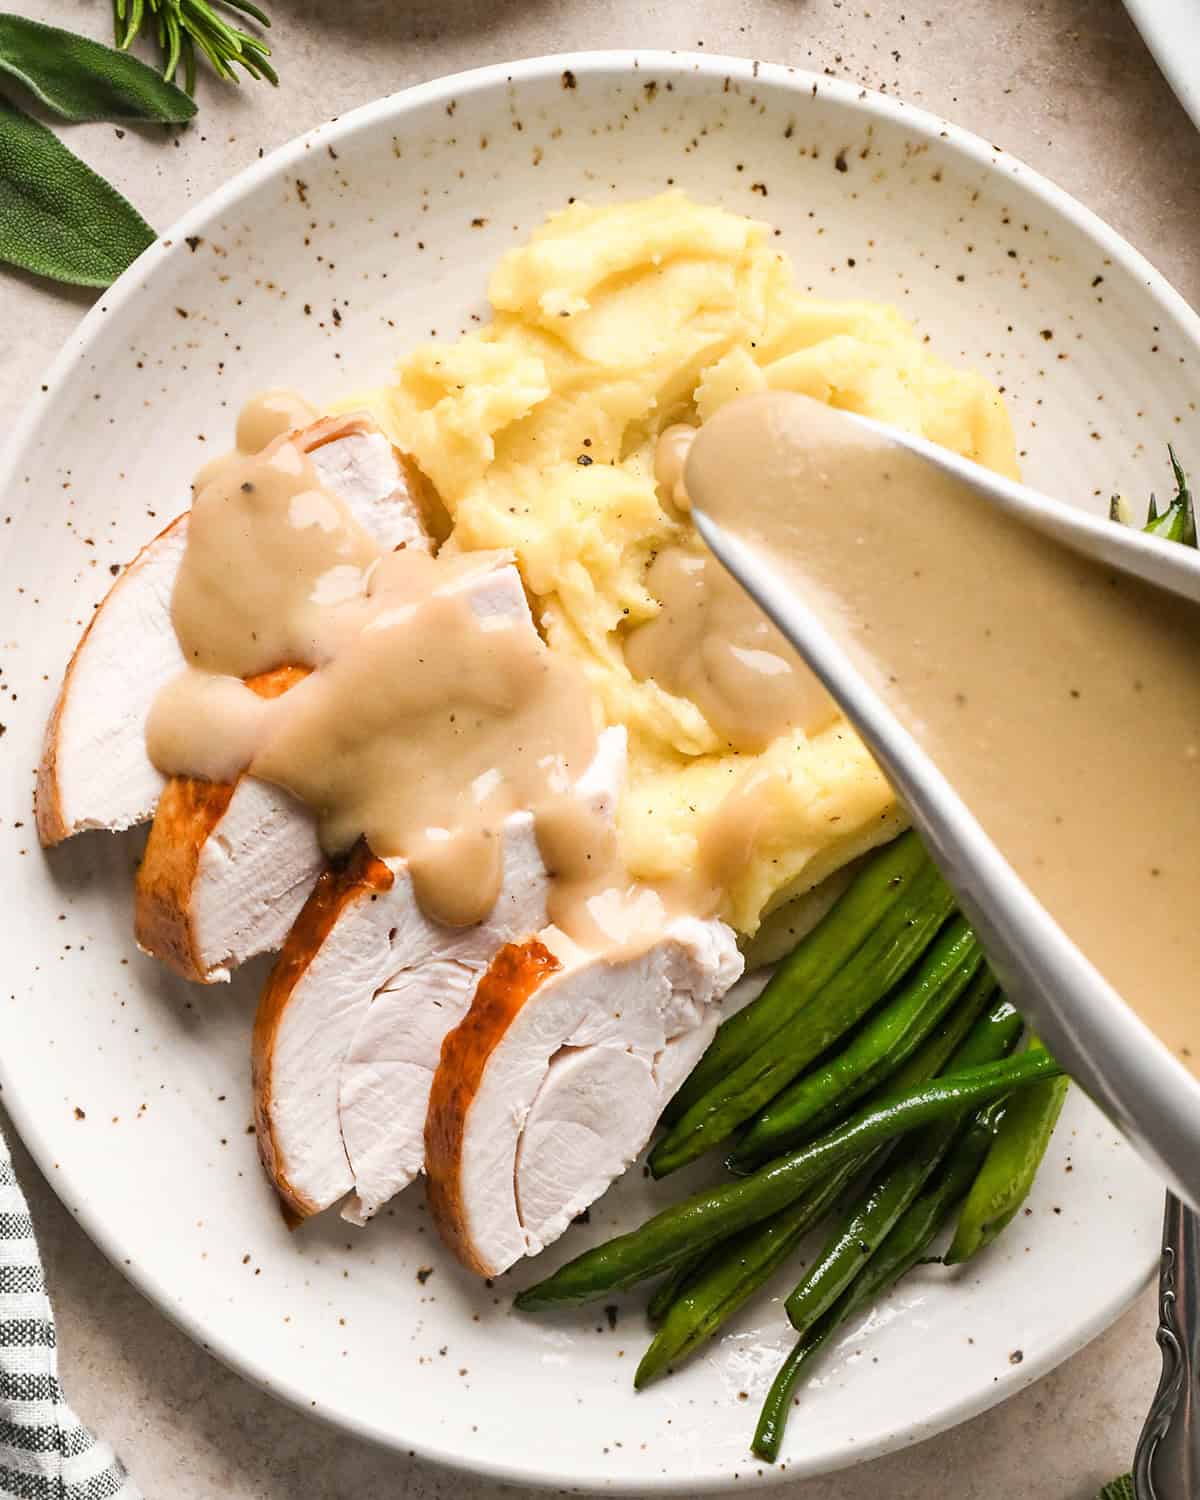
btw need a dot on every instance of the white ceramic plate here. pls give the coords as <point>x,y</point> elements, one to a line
<point>1171,29</point>
<point>132,1090</point>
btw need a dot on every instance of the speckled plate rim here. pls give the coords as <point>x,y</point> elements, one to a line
<point>22,1097</point>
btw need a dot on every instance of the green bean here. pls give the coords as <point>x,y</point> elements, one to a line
<point>811,964</point>
<point>737,1268</point>
<point>671,1287</point>
<point>713,1215</point>
<point>909,1240</point>
<point>867,1223</point>
<point>731,1275</point>
<point>903,1248</point>
<point>772,1419</point>
<point>935,1051</point>
<point>883,1043</point>
<point>1012,1163</point>
<point>887,953</point>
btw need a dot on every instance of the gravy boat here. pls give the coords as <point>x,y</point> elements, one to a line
<point>1115,1057</point>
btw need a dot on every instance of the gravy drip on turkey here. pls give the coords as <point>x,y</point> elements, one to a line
<point>231,859</point>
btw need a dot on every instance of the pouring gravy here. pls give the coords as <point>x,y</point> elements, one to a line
<point>1060,698</point>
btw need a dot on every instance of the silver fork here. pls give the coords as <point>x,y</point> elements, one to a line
<point>1166,1463</point>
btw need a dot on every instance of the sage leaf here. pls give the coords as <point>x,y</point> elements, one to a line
<point>81,80</point>
<point>57,217</point>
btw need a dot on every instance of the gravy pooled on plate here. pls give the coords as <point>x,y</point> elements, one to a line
<point>1059,697</point>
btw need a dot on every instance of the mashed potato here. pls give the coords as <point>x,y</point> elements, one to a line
<point>538,431</point>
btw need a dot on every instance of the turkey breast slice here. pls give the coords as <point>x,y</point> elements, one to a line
<point>227,867</point>
<point>551,1085</point>
<point>389,1066</point>
<point>95,772</point>
<point>362,931</point>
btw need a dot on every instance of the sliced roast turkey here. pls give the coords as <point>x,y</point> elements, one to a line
<point>551,1085</point>
<point>228,866</point>
<point>362,935</point>
<point>95,772</point>
<point>389,1066</point>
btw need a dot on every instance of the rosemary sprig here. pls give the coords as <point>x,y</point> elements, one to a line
<point>1177,522</point>
<point>184,27</point>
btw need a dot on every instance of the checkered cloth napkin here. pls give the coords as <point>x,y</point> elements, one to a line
<point>45,1452</point>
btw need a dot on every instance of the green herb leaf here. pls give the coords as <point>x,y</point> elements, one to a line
<point>186,27</point>
<point>1119,1489</point>
<point>57,218</point>
<point>1183,499</point>
<point>1178,522</point>
<point>82,80</point>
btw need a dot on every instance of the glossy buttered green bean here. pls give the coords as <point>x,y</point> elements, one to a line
<point>904,1247</point>
<point>878,887</point>
<point>887,953</point>
<point>890,1036</point>
<point>671,1287</point>
<point>732,1273</point>
<point>708,1217</point>
<point>738,1267</point>
<point>864,1227</point>
<point>1006,1177</point>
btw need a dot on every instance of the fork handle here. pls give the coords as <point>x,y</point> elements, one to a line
<point>1166,1464</point>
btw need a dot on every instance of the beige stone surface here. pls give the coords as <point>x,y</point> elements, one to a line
<point>1065,84</point>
